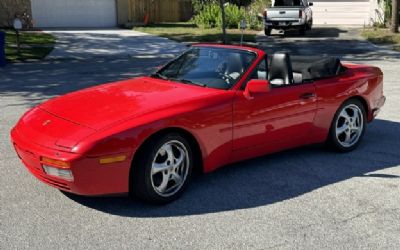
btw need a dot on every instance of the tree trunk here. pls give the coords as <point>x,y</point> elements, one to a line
<point>221,4</point>
<point>395,17</point>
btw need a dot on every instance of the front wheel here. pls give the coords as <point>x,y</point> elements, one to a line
<point>348,126</point>
<point>163,169</point>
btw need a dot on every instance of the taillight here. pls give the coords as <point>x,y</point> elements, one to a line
<point>265,13</point>
<point>300,13</point>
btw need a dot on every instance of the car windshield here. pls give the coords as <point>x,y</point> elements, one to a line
<point>288,3</point>
<point>219,68</point>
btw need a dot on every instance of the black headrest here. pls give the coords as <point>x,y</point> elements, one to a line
<point>281,68</point>
<point>235,63</point>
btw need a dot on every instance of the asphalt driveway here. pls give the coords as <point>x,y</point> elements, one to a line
<point>87,44</point>
<point>345,42</point>
<point>306,198</point>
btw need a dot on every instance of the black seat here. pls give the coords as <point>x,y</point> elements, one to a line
<point>280,70</point>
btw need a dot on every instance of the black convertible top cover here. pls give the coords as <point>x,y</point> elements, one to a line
<point>316,67</point>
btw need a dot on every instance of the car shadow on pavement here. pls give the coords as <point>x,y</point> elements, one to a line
<point>270,179</point>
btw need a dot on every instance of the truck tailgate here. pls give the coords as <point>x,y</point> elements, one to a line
<point>283,14</point>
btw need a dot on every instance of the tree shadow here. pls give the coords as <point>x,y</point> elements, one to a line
<point>315,32</point>
<point>37,82</point>
<point>326,41</point>
<point>114,43</point>
<point>269,179</point>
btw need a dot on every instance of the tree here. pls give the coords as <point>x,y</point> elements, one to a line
<point>395,17</point>
<point>9,9</point>
<point>221,5</point>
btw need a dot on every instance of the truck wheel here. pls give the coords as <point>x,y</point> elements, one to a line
<point>302,30</point>
<point>309,26</point>
<point>267,31</point>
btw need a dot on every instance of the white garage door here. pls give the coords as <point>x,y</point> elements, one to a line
<point>356,12</point>
<point>74,13</point>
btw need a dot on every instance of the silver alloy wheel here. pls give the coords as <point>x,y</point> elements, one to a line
<point>349,125</point>
<point>170,168</point>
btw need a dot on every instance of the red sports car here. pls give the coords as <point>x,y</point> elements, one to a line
<point>211,106</point>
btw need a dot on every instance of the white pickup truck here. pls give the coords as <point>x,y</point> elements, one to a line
<point>288,14</point>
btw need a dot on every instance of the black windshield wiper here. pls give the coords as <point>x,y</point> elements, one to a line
<point>190,82</point>
<point>159,75</point>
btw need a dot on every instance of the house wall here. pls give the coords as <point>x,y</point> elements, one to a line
<point>123,12</point>
<point>341,12</point>
<point>8,9</point>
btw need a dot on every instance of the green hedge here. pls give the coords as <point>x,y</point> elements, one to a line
<point>209,15</point>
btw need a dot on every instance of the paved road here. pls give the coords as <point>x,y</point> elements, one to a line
<point>307,198</point>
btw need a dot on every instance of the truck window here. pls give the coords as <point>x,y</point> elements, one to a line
<point>288,3</point>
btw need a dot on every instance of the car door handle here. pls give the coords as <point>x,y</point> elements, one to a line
<point>306,96</point>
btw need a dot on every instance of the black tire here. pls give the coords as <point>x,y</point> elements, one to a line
<point>310,24</point>
<point>334,140</point>
<point>302,30</point>
<point>141,177</point>
<point>267,31</point>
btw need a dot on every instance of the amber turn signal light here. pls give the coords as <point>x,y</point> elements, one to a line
<point>107,160</point>
<point>54,162</point>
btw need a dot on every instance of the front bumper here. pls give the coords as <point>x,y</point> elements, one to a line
<point>90,177</point>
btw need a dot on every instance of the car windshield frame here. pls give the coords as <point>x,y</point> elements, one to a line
<point>213,82</point>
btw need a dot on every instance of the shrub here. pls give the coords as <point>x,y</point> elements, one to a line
<point>209,14</point>
<point>233,15</point>
<point>254,10</point>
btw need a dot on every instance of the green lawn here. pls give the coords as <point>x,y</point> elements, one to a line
<point>35,45</point>
<point>188,32</point>
<point>382,36</point>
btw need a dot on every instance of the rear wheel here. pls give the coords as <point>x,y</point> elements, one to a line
<point>163,169</point>
<point>348,126</point>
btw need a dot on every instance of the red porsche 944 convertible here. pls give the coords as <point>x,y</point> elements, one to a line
<point>211,106</point>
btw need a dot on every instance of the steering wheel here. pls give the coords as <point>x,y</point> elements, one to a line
<point>227,78</point>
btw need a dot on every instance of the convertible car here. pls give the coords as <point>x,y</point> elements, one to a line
<point>211,106</point>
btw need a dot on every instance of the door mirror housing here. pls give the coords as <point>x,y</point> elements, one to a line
<point>256,86</point>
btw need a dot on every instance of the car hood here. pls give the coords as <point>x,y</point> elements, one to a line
<point>101,106</point>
